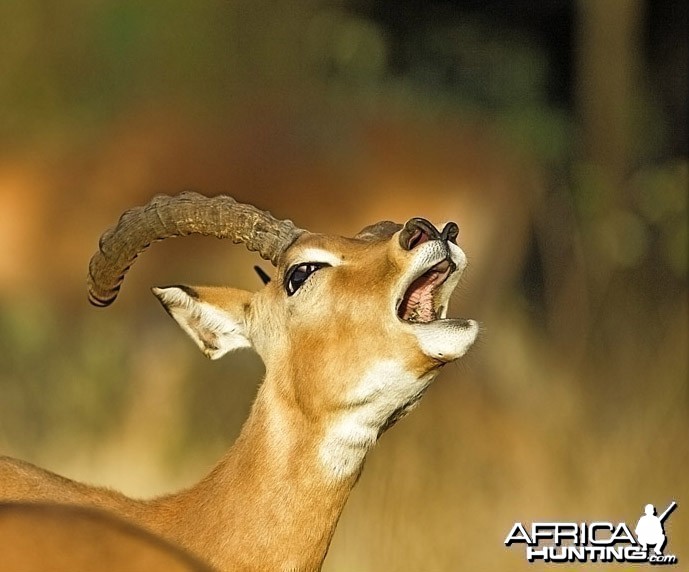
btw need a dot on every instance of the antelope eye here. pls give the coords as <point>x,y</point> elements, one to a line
<point>299,273</point>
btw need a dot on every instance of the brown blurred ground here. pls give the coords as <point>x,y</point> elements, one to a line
<point>575,404</point>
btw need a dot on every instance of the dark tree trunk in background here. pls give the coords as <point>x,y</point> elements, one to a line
<point>608,79</point>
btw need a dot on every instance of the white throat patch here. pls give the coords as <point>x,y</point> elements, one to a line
<point>383,390</point>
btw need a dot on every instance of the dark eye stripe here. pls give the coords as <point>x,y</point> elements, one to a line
<point>299,273</point>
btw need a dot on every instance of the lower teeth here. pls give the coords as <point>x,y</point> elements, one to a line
<point>416,316</point>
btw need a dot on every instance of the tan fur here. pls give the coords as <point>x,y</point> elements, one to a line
<point>273,501</point>
<point>61,538</point>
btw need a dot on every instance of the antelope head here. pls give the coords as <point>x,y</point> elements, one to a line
<point>351,330</point>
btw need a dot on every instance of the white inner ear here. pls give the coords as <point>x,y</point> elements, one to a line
<point>214,330</point>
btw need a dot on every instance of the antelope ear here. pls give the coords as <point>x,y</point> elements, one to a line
<point>215,318</point>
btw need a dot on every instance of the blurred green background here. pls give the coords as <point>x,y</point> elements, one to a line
<point>554,133</point>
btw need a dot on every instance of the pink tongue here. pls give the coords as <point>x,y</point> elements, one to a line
<point>419,302</point>
<point>417,305</point>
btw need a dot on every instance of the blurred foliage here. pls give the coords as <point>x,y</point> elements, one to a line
<point>37,374</point>
<point>556,133</point>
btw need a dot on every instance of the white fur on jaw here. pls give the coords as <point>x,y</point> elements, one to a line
<point>384,389</point>
<point>446,340</point>
<point>213,330</point>
<point>458,257</point>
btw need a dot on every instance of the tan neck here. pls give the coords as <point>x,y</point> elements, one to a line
<point>269,504</point>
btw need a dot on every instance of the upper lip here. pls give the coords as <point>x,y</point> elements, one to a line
<point>418,300</point>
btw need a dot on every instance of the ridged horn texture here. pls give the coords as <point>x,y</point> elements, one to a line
<point>182,215</point>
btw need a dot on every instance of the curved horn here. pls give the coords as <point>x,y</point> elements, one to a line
<point>182,215</point>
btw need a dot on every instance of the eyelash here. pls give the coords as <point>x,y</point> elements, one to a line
<point>303,272</point>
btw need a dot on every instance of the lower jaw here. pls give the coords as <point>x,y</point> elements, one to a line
<point>445,340</point>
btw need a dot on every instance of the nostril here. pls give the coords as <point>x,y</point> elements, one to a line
<point>416,232</point>
<point>418,237</point>
<point>450,232</point>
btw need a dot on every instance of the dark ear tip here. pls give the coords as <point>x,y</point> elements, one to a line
<point>262,274</point>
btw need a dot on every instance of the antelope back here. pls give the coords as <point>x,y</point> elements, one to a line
<point>62,538</point>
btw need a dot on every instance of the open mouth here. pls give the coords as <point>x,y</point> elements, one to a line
<point>418,305</point>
